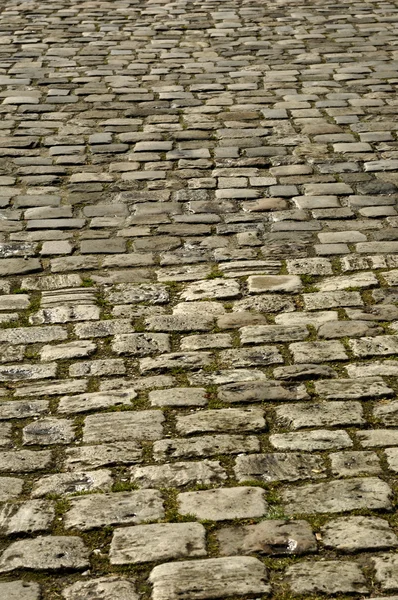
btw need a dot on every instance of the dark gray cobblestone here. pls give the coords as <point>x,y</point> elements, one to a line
<point>198,300</point>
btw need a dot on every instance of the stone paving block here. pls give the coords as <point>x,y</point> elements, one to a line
<point>163,541</point>
<point>199,260</point>
<point>338,496</point>
<point>278,466</point>
<point>20,590</point>
<point>222,420</point>
<point>28,517</point>
<point>203,446</point>
<point>350,534</point>
<point>323,414</point>
<point>123,426</point>
<point>215,577</point>
<point>385,566</point>
<point>10,488</point>
<point>222,504</point>
<point>317,352</point>
<point>328,577</point>
<point>178,474</point>
<point>106,588</point>
<point>268,537</point>
<point>72,483</point>
<point>96,510</point>
<point>48,431</point>
<point>45,553</point>
<point>351,463</point>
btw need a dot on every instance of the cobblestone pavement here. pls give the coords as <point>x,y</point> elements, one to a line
<point>198,299</point>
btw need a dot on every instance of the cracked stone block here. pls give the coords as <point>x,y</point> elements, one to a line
<point>271,538</point>
<point>98,510</point>
<point>207,341</point>
<point>278,466</point>
<point>178,474</point>
<point>326,577</point>
<point>209,578</point>
<point>350,534</point>
<point>224,503</point>
<point>45,553</point>
<point>338,496</point>
<point>109,587</point>
<point>162,541</point>
<point>24,461</point>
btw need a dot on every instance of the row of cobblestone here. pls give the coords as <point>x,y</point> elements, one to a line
<point>198,299</point>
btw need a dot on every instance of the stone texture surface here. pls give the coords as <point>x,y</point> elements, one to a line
<point>213,578</point>
<point>198,298</point>
<point>150,543</point>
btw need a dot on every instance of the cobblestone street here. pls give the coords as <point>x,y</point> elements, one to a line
<point>198,300</point>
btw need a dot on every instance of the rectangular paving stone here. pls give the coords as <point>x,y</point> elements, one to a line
<point>375,346</point>
<point>33,335</point>
<point>330,577</point>
<point>45,553</point>
<point>20,590</point>
<point>123,426</point>
<point>23,372</point>
<point>278,466</point>
<point>319,414</point>
<point>271,538</point>
<point>178,474</point>
<point>163,541</point>
<point>353,388</point>
<point>318,439</point>
<point>204,446</point>
<point>81,458</point>
<point>224,503</point>
<point>209,578</point>
<point>317,352</point>
<point>338,496</point>
<point>98,510</point>
<point>221,420</point>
